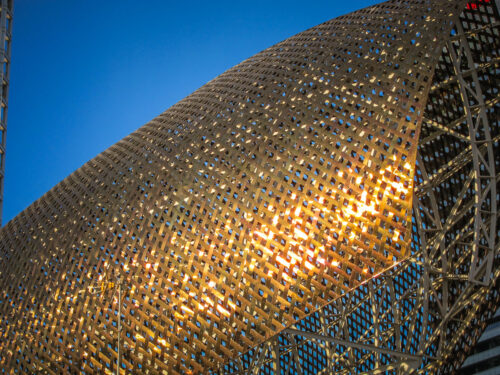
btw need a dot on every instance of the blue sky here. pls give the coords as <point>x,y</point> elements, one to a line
<point>85,73</point>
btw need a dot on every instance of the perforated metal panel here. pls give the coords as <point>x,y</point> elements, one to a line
<point>423,316</point>
<point>267,194</point>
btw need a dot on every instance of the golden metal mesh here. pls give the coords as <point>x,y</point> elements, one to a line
<point>268,192</point>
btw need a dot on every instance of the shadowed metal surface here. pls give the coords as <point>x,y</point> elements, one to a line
<point>277,190</point>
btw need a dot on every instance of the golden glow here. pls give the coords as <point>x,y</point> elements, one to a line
<point>223,310</point>
<point>187,309</point>
<point>246,224</point>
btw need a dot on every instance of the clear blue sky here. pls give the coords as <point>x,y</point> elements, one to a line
<point>85,73</point>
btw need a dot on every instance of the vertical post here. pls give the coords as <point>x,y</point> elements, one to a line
<point>5,41</point>
<point>119,323</point>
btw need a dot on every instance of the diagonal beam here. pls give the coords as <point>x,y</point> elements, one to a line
<point>352,344</point>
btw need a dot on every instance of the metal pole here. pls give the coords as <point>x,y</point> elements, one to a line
<point>119,323</point>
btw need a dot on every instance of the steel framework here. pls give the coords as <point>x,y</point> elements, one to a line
<point>6,10</point>
<point>423,315</point>
<point>329,205</point>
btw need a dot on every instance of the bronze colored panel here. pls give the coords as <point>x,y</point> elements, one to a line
<point>267,193</point>
<point>425,315</point>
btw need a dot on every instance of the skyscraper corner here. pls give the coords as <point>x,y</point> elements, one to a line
<point>6,12</point>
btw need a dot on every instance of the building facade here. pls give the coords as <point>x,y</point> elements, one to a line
<point>485,356</point>
<point>328,205</point>
<point>6,11</point>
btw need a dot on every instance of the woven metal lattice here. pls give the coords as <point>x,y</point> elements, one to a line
<point>279,186</point>
<point>424,315</point>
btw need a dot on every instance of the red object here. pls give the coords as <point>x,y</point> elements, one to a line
<point>474,5</point>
